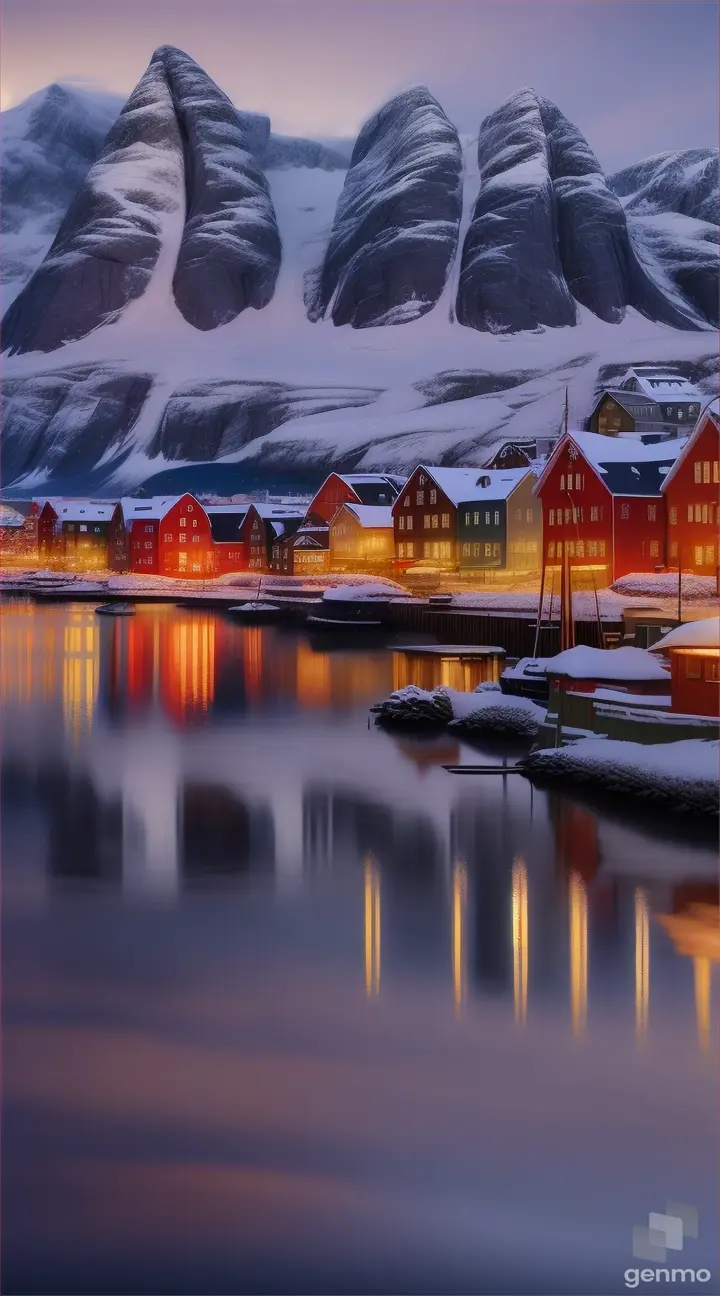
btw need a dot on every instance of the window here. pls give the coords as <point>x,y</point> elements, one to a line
<point>674,549</point>
<point>446,521</point>
<point>691,513</point>
<point>401,523</point>
<point>693,667</point>
<point>401,550</point>
<point>190,508</point>
<point>497,518</point>
<point>82,527</point>
<point>652,512</point>
<point>592,548</point>
<point>466,551</point>
<point>698,555</point>
<point>559,549</point>
<point>551,549</point>
<point>196,539</point>
<point>422,479</point>
<point>476,551</point>
<point>562,482</point>
<point>182,539</point>
<point>528,515</point>
<point>409,524</point>
<point>409,550</point>
<point>716,471</point>
<point>476,519</point>
<point>433,497</point>
<point>467,519</point>
<point>148,544</point>
<point>488,551</point>
<point>706,470</point>
<point>625,511</point>
<point>578,482</point>
<point>574,515</point>
<point>697,472</point>
<point>168,537</point>
<point>709,555</point>
<point>420,497</point>
<point>426,521</point>
<point>571,548</point>
<point>710,671</point>
<point>698,512</point>
<point>580,549</point>
<point>601,549</point>
<point>487,519</point>
<point>183,522</point>
<point>654,549</point>
<point>406,502</point>
<point>673,517</point>
<point>255,528</point>
<point>435,521</point>
<point>518,515</point>
<point>551,517</point>
<point>704,512</point>
<point>680,415</point>
<point>149,529</point>
<point>567,516</point>
<point>594,514</point>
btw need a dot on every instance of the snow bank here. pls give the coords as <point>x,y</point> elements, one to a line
<point>582,663</point>
<point>681,774</point>
<point>363,593</point>
<point>665,585</point>
<point>485,711</point>
<point>693,634</point>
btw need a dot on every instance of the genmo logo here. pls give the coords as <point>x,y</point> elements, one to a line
<point>663,1233</point>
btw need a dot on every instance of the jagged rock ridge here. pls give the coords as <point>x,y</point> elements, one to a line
<point>178,149</point>
<point>396,224</point>
<point>547,231</point>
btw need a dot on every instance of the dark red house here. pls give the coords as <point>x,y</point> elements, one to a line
<point>168,536</point>
<point>351,488</point>
<point>694,652</point>
<point>226,521</point>
<point>692,495</point>
<point>425,515</point>
<point>603,507</point>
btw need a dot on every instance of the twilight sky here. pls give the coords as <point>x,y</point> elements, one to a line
<point>637,76</point>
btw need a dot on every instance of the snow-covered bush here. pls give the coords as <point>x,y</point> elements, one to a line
<point>415,707</point>
<point>503,718</point>
<point>488,686</point>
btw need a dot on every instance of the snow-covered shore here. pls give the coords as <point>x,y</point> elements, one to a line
<point>683,775</point>
<point>487,710</point>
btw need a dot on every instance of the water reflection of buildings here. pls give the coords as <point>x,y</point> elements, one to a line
<point>695,933</point>
<point>372,927</point>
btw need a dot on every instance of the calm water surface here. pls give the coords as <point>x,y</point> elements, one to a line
<point>287,1008</point>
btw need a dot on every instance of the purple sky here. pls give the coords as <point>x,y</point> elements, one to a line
<point>636,77</point>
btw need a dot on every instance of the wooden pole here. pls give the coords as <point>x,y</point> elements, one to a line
<point>540,610</point>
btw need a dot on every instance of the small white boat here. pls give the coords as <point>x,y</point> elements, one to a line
<point>255,611</point>
<point>115,609</point>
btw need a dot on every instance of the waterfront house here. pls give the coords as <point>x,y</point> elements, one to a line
<point>691,491</point>
<point>648,402</point>
<point>82,533</point>
<point>376,489</point>
<point>226,521</point>
<point>694,652</point>
<point>168,536</point>
<point>19,531</point>
<point>425,515</point>
<point>304,552</point>
<point>603,507</point>
<point>581,677</point>
<point>362,538</point>
<point>499,523</point>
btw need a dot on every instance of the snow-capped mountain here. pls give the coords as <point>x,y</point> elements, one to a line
<point>215,292</point>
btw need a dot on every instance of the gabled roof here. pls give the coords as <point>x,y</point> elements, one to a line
<point>370,515</point>
<point>661,383</point>
<point>465,485</point>
<point>632,403</point>
<point>496,484</point>
<point>712,415</point>
<point>603,453</point>
<point>226,521</point>
<point>83,511</point>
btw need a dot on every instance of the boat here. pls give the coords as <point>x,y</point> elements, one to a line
<point>115,609</point>
<point>255,611</point>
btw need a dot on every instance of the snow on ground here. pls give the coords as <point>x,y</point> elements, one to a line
<point>685,774</point>
<point>665,585</point>
<point>364,593</point>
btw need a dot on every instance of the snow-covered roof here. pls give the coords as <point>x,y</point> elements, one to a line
<point>605,450</point>
<point>84,511</point>
<point>704,633</point>
<point>464,485</point>
<point>226,508</point>
<point>9,517</point>
<point>711,413</point>
<point>360,479</point>
<point>155,508</point>
<point>372,515</point>
<point>662,384</point>
<point>618,664</point>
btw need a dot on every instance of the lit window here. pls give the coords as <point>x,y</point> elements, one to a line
<point>433,497</point>
<point>190,508</point>
<point>574,515</point>
<point>183,522</point>
<point>567,516</point>
<point>654,549</point>
<point>406,502</point>
<point>409,550</point>
<point>466,551</point>
<point>716,471</point>
<point>182,539</point>
<point>592,548</point>
<point>697,470</point>
<point>196,539</point>
<point>691,513</point>
<point>571,548</point>
<point>601,548</point>
<point>652,512</point>
<point>401,523</point>
<point>673,517</point>
<point>435,521</point>
<point>625,511</point>
<point>401,550</point>
<point>559,548</point>
<point>149,529</point>
<point>476,519</point>
<point>421,479</point>
<point>497,518</point>
<point>528,515</point>
<point>168,537</point>
<point>148,544</point>
<point>698,512</point>
<point>580,549</point>
<point>467,519</point>
<point>487,519</point>
<point>704,512</point>
<point>551,517</point>
<point>709,555</point>
<point>445,521</point>
<point>578,481</point>
<point>420,497</point>
<point>680,415</point>
<point>409,525</point>
<point>426,521</point>
<point>706,470</point>
<point>488,551</point>
<point>255,528</point>
<point>551,549</point>
<point>562,482</point>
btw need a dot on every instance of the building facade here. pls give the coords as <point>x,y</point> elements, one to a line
<point>362,538</point>
<point>306,552</point>
<point>169,537</point>
<point>647,402</point>
<point>425,516</point>
<point>500,526</point>
<point>351,488</point>
<point>603,508</point>
<point>691,491</point>
<point>225,527</point>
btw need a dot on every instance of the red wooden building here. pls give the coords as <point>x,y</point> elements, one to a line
<point>168,537</point>
<point>226,521</point>
<point>603,507</point>
<point>694,652</point>
<point>691,491</point>
<point>425,515</point>
<point>351,488</point>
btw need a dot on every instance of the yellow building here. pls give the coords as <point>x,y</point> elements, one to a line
<point>361,538</point>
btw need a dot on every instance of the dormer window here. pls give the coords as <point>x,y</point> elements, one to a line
<point>484,482</point>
